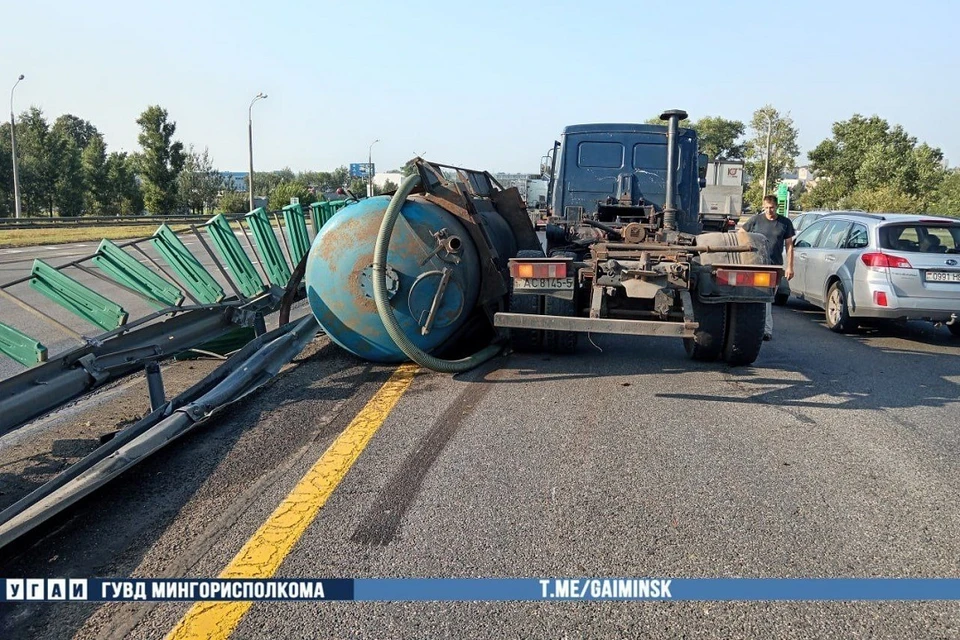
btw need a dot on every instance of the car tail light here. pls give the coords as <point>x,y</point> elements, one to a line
<point>731,222</point>
<point>884,261</point>
<point>538,269</point>
<point>736,278</point>
<point>880,298</point>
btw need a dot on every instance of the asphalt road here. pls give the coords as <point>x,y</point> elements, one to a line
<point>834,456</point>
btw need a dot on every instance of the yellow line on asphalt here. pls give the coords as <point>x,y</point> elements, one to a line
<point>266,550</point>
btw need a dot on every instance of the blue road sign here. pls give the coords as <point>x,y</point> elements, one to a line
<point>361,170</point>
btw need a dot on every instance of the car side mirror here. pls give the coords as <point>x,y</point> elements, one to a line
<point>702,161</point>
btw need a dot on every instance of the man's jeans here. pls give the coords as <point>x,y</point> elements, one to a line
<point>768,321</point>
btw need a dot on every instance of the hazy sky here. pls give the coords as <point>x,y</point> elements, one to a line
<point>481,84</point>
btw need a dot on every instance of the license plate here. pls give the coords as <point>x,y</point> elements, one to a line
<point>942,276</point>
<point>543,283</point>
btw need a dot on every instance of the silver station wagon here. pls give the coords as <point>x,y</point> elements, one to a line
<point>862,266</point>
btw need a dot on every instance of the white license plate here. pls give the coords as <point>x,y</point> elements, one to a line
<point>543,283</point>
<point>942,276</point>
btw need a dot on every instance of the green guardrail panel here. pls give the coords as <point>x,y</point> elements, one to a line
<point>125,269</point>
<point>184,264</point>
<point>296,232</point>
<point>21,347</point>
<point>273,261</point>
<point>75,297</point>
<point>234,256</point>
<point>316,217</point>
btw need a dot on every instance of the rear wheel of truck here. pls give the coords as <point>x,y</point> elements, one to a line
<point>707,342</point>
<point>744,332</point>
<point>561,341</point>
<point>526,339</point>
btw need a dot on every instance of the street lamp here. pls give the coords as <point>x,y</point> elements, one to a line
<point>13,148</point>
<point>370,168</point>
<point>259,96</point>
<point>766,162</point>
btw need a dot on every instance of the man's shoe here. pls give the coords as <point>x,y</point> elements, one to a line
<point>767,337</point>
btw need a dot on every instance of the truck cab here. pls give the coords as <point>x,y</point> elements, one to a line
<point>618,171</point>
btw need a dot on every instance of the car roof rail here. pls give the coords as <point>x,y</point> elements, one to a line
<point>858,213</point>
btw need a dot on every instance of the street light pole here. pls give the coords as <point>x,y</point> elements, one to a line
<point>13,148</point>
<point>370,168</point>
<point>259,96</point>
<point>766,162</point>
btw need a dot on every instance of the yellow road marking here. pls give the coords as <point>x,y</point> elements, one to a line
<point>261,556</point>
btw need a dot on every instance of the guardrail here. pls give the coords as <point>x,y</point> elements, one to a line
<point>96,221</point>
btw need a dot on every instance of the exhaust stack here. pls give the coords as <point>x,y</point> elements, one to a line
<point>673,117</point>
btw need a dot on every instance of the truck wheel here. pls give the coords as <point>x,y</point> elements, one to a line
<point>707,342</point>
<point>780,299</point>
<point>835,310</point>
<point>526,339</point>
<point>561,341</point>
<point>744,332</point>
<point>954,329</point>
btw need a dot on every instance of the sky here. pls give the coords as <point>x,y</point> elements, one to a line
<point>486,85</point>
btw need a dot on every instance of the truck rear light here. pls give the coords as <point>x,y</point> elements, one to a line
<point>880,298</point>
<point>884,261</point>
<point>736,278</point>
<point>538,269</point>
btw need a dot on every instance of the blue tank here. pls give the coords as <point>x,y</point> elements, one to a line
<point>430,252</point>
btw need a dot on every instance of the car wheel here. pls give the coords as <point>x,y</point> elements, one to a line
<point>835,310</point>
<point>955,328</point>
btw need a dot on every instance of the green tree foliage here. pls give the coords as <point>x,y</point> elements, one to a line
<point>783,151</point>
<point>78,129</point>
<point>233,202</point>
<point>718,137</point>
<point>36,162</point>
<point>123,195</point>
<point>869,161</point>
<point>947,202</point>
<point>68,188</point>
<point>160,160</point>
<point>280,197</point>
<point>200,182</point>
<point>93,163</point>
<point>7,208</point>
<point>388,187</point>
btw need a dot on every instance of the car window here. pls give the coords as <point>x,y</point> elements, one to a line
<point>921,238</point>
<point>808,237</point>
<point>858,237</point>
<point>833,235</point>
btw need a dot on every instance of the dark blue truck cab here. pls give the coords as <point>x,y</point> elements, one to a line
<point>625,253</point>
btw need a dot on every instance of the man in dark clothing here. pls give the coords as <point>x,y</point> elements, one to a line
<point>778,230</point>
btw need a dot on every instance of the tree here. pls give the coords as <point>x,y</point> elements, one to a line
<point>720,138</point>
<point>6,173</point>
<point>947,200</point>
<point>80,130</point>
<point>388,186</point>
<point>37,168</point>
<point>233,202</point>
<point>868,155</point>
<point>93,163</point>
<point>686,123</point>
<point>886,198</point>
<point>123,193</point>
<point>160,161</point>
<point>285,190</point>
<point>68,192</point>
<point>199,183</point>
<point>783,151</point>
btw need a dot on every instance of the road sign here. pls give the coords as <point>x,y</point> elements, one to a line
<point>362,170</point>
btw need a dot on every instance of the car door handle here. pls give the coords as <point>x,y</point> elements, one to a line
<point>802,256</point>
<point>830,258</point>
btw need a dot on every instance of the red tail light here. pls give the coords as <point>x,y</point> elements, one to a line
<point>880,298</point>
<point>745,278</point>
<point>538,269</point>
<point>884,261</point>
